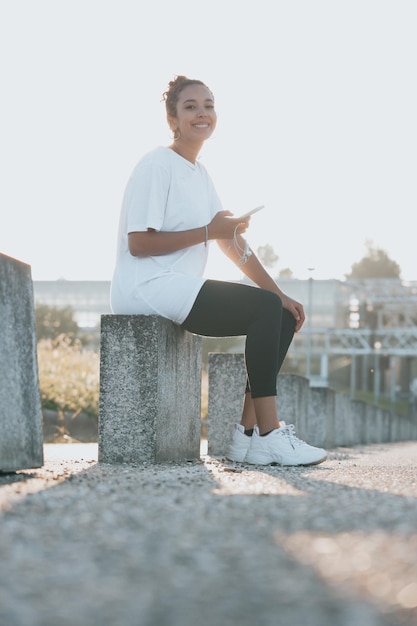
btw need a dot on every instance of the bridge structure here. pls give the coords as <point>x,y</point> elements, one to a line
<point>368,352</point>
<point>379,337</point>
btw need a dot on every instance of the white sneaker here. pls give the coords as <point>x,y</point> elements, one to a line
<point>282,447</point>
<point>239,445</point>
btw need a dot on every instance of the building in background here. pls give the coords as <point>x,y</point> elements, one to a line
<point>88,299</point>
<point>359,334</point>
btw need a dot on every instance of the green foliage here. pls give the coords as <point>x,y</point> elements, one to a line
<point>375,264</point>
<point>53,322</point>
<point>286,272</point>
<point>68,376</point>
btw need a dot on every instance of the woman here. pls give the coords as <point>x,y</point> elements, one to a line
<point>170,212</point>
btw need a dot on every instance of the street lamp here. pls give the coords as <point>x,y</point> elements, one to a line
<point>377,370</point>
<point>309,322</point>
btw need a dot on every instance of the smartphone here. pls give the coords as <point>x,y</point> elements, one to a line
<point>249,213</point>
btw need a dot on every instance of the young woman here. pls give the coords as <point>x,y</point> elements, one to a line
<point>170,213</point>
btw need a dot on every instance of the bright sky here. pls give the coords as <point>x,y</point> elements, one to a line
<point>316,101</point>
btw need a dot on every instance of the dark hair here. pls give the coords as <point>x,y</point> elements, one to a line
<point>171,95</point>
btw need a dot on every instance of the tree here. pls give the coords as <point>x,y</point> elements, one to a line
<point>286,272</point>
<point>51,322</point>
<point>267,256</point>
<point>375,264</point>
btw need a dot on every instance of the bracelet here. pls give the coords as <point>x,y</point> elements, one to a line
<point>206,232</point>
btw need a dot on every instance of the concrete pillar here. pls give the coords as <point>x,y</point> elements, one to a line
<point>227,384</point>
<point>343,429</point>
<point>21,436</point>
<point>321,411</point>
<point>358,411</point>
<point>322,416</point>
<point>150,390</point>
<point>292,401</point>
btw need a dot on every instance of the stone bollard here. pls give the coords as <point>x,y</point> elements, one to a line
<point>150,390</point>
<point>21,437</point>
<point>320,419</point>
<point>227,383</point>
<point>322,416</point>
<point>293,400</point>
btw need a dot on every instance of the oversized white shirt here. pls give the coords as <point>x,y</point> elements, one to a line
<point>165,192</point>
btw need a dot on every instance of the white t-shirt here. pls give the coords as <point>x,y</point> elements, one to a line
<point>167,193</point>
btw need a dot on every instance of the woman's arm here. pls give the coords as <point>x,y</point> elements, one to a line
<point>155,243</point>
<point>256,272</point>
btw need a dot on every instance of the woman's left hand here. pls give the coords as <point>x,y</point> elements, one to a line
<point>296,309</point>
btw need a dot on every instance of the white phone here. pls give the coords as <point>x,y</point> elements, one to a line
<point>249,213</point>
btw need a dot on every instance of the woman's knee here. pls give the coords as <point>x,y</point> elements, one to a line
<point>271,303</point>
<point>267,313</point>
<point>288,319</point>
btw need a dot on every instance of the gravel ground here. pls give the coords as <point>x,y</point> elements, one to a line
<point>210,540</point>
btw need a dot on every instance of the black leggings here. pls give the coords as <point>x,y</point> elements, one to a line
<point>224,309</point>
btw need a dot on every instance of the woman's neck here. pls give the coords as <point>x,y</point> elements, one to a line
<point>188,152</point>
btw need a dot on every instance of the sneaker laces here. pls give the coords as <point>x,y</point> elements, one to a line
<point>288,431</point>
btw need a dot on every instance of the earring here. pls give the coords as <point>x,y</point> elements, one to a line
<point>176,136</point>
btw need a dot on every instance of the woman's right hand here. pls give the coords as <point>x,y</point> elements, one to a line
<point>223,226</point>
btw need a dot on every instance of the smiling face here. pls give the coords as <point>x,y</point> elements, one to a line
<point>196,117</point>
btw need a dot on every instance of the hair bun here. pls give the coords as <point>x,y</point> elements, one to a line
<point>178,79</point>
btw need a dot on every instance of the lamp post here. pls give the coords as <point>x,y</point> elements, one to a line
<point>377,370</point>
<point>309,323</point>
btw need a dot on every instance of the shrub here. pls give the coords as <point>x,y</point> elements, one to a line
<point>53,322</point>
<point>68,376</point>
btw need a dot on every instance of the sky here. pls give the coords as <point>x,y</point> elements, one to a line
<point>316,104</point>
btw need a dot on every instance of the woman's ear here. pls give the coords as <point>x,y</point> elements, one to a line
<point>172,123</point>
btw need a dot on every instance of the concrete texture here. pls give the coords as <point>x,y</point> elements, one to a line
<point>21,437</point>
<point>320,417</point>
<point>211,541</point>
<point>227,384</point>
<point>150,390</point>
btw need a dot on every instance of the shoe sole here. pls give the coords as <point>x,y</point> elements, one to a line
<point>238,457</point>
<point>239,460</point>
<point>275,463</point>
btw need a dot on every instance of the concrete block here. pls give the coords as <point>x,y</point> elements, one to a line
<point>384,426</point>
<point>371,424</point>
<point>404,429</point>
<point>227,384</point>
<point>21,437</point>
<point>398,428</point>
<point>394,428</point>
<point>293,394</point>
<point>343,431</point>
<point>150,391</point>
<point>413,428</point>
<point>322,416</point>
<point>410,429</point>
<point>377,434</point>
<point>358,417</point>
<point>321,410</point>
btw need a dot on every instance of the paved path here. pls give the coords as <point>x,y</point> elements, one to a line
<point>211,541</point>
